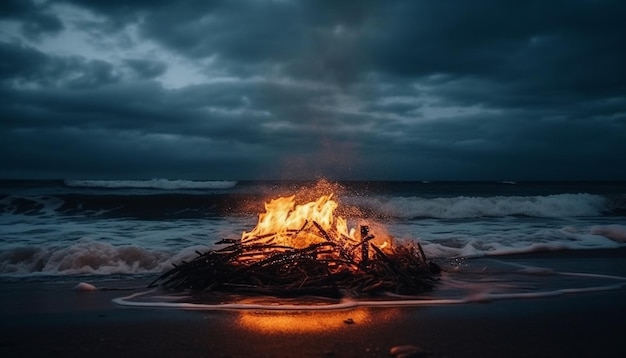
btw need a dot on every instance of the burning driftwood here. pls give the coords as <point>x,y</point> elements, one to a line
<point>313,258</point>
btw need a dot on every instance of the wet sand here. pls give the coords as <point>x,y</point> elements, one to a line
<point>43,319</point>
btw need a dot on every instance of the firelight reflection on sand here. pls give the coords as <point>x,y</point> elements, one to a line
<point>309,322</point>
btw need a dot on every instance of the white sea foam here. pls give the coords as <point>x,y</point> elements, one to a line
<point>48,245</point>
<point>89,257</point>
<point>466,292</point>
<point>475,245</point>
<point>164,184</point>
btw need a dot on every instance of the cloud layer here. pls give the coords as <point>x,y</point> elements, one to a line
<point>262,89</point>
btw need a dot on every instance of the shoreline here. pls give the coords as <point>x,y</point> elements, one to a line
<point>41,319</point>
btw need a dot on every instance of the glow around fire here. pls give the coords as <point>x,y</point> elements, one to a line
<point>302,322</point>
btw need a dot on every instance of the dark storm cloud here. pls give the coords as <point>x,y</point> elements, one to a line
<point>20,62</point>
<point>25,65</point>
<point>35,19</point>
<point>542,54</point>
<point>146,68</point>
<point>307,38</point>
<point>369,89</point>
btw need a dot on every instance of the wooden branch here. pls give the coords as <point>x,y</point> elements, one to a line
<point>324,268</point>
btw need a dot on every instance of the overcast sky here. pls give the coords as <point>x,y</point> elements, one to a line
<point>287,89</point>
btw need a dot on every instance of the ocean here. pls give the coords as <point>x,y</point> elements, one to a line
<point>119,228</point>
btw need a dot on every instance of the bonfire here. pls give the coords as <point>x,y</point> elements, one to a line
<point>299,249</point>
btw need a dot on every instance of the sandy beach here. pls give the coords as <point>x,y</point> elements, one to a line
<point>40,319</point>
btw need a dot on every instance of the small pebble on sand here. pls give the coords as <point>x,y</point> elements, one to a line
<point>84,286</point>
<point>406,350</point>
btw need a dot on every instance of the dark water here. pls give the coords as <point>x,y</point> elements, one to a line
<point>52,228</point>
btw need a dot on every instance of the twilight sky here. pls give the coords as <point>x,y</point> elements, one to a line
<point>288,89</point>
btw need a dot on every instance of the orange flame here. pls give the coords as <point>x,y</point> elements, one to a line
<point>286,224</point>
<point>283,217</point>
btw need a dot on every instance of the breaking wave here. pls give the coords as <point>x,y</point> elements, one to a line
<point>166,205</point>
<point>462,207</point>
<point>88,257</point>
<point>164,184</point>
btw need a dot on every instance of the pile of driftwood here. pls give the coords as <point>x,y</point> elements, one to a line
<point>329,267</point>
